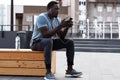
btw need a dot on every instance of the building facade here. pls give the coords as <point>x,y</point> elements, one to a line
<point>82,18</point>
<point>24,15</point>
<point>90,17</point>
<point>104,10</point>
<point>104,18</point>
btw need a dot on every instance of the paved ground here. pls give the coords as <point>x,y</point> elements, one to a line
<point>95,66</point>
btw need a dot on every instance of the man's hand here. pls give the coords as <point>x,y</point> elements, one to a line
<point>70,24</point>
<point>66,23</point>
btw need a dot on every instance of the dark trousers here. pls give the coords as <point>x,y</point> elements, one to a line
<point>48,44</point>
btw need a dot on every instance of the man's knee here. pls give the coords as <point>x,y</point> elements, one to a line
<point>48,41</point>
<point>70,42</point>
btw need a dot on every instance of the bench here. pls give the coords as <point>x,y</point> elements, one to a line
<point>24,62</point>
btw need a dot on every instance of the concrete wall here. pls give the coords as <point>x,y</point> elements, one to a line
<point>7,39</point>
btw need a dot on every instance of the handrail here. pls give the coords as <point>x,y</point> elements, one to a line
<point>8,27</point>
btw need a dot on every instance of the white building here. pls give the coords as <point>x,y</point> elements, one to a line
<point>82,17</point>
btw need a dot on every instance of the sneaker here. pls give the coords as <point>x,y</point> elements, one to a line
<point>73,73</point>
<point>49,76</point>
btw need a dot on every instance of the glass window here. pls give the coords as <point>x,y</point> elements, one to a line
<point>84,3</point>
<point>109,9</point>
<point>117,9</point>
<point>117,19</point>
<point>99,18</point>
<point>99,8</point>
<point>80,3</point>
<point>28,18</point>
<point>109,19</point>
<point>1,14</point>
<point>92,0</point>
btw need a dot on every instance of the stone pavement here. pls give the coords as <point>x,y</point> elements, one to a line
<point>94,65</point>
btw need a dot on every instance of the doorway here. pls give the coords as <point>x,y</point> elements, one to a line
<point>19,19</point>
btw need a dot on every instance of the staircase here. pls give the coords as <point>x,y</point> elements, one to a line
<point>97,45</point>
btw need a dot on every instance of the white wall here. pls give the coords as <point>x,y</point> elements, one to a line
<point>17,9</point>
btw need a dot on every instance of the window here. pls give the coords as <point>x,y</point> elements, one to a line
<point>28,18</point>
<point>117,19</point>
<point>2,13</point>
<point>117,9</point>
<point>82,3</point>
<point>99,8</point>
<point>92,0</point>
<point>109,19</point>
<point>109,9</point>
<point>99,18</point>
<point>3,18</point>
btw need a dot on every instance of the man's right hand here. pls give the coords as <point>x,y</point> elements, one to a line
<point>66,23</point>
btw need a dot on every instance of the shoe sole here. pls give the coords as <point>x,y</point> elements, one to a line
<point>75,75</point>
<point>48,79</point>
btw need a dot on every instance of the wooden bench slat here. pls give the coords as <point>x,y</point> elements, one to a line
<point>22,64</point>
<point>21,56</point>
<point>22,50</point>
<point>22,71</point>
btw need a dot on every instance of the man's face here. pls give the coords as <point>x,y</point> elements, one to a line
<point>55,10</point>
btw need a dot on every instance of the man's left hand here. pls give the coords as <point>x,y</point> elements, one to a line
<point>70,24</point>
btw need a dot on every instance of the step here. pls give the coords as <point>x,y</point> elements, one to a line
<point>98,45</point>
<point>97,42</point>
<point>93,49</point>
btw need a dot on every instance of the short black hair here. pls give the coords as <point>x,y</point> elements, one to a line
<point>50,4</point>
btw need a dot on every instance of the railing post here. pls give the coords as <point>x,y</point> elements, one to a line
<point>103,30</point>
<point>2,31</point>
<point>99,30</point>
<point>1,27</point>
<point>28,27</point>
<point>12,14</point>
<point>95,24</point>
<point>88,29</point>
<point>111,30</point>
<point>119,28</point>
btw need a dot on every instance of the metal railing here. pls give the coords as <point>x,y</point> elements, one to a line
<point>102,30</point>
<point>16,28</point>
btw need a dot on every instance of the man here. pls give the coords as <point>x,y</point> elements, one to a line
<point>48,25</point>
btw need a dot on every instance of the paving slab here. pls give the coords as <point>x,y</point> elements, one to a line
<point>94,65</point>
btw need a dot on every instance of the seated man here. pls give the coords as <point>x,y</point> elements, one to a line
<point>49,34</point>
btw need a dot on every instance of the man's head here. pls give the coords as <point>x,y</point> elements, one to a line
<point>53,8</point>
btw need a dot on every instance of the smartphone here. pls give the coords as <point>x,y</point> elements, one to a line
<point>68,19</point>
